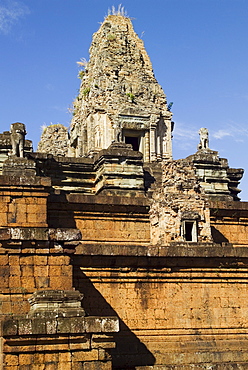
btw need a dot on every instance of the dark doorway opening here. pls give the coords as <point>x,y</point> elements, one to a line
<point>188,231</point>
<point>134,141</point>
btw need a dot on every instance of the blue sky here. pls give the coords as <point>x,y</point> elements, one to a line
<point>198,49</point>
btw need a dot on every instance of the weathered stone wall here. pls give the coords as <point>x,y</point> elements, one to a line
<point>27,266</point>
<point>218,180</point>
<point>229,222</point>
<point>54,140</point>
<point>56,335</point>
<point>33,258</point>
<point>179,198</point>
<point>23,203</point>
<point>182,310</point>
<point>103,219</point>
<point>181,305</point>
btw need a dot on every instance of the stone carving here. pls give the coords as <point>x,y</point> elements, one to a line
<point>204,140</point>
<point>18,132</point>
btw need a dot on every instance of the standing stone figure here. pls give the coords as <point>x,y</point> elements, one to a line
<point>18,132</point>
<point>204,140</point>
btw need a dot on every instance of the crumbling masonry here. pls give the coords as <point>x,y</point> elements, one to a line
<point>114,255</point>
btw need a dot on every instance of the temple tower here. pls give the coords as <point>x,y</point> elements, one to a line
<point>120,99</point>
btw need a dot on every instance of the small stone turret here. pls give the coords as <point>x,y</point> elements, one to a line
<point>120,100</point>
<point>215,177</point>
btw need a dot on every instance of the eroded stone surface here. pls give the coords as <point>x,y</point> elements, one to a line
<point>119,98</point>
<point>180,203</point>
<point>214,175</point>
<point>54,140</point>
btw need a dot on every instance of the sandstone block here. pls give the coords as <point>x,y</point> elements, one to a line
<point>28,283</point>
<point>65,366</point>
<point>27,270</point>
<point>93,324</point>
<point>102,341</point>
<point>65,356</point>
<point>42,282</point>
<point>40,260</point>
<point>41,270</point>
<point>26,359</point>
<point>11,360</point>
<point>51,357</point>
<point>10,327</point>
<point>85,355</point>
<point>25,327</point>
<point>97,365</point>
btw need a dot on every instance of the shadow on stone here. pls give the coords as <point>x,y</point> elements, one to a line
<point>59,211</point>
<point>218,237</point>
<point>130,352</point>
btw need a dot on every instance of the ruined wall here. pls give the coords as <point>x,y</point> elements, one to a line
<point>54,140</point>
<point>180,197</point>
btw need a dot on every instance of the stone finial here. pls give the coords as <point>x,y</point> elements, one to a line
<point>18,132</point>
<point>204,139</point>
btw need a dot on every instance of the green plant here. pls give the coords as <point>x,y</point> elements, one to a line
<point>131,96</point>
<point>81,74</point>
<point>111,37</point>
<point>170,106</point>
<point>86,91</point>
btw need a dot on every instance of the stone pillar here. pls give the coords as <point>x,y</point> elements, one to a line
<point>79,147</point>
<point>84,141</point>
<point>169,125</point>
<point>152,143</point>
<point>164,147</point>
<point>159,156</point>
<point>147,147</point>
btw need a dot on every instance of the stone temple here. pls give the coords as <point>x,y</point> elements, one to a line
<point>113,255</point>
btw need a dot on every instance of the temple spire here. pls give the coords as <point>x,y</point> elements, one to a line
<point>119,97</point>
